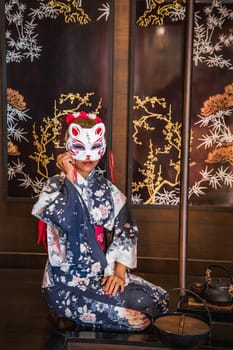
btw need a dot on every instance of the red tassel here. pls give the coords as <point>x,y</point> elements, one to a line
<point>111,166</point>
<point>42,234</point>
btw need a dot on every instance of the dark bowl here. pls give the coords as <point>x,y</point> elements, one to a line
<point>182,330</point>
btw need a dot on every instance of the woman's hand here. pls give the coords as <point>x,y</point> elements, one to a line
<point>112,284</point>
<point>66,164</point>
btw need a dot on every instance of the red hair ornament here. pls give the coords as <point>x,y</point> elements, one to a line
<point>72,117</point>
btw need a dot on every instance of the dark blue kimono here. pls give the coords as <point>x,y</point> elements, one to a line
<point>78,259</point>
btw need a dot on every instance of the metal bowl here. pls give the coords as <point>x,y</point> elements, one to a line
<point>180,330</point>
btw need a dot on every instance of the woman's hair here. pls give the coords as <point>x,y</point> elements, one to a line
<point>83,122</point>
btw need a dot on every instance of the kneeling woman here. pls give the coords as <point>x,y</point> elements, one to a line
<point>87,277</point>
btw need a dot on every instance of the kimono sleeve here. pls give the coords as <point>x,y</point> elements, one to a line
<point>47,197</point>
<point>123,248</point>
<point>55,239</point>
<point>59,205</point>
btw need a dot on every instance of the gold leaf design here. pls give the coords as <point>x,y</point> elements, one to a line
<point>12,149</point>
<point>71,10</point>
<point>221,154</point>
<point>218,102</point>
<point>15,99</point>
<point>156,13</point>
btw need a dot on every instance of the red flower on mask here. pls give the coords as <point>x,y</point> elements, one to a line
<point>70,118</point>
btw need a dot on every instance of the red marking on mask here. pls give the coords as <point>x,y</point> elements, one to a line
<point>75,132</point>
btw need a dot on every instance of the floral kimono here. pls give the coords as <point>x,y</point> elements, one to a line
<point>89,228</point>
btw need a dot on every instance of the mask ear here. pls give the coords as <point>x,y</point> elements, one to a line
<point>99,129</point>
<point>74,130</point>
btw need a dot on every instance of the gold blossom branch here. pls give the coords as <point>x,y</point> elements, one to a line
<point>50,131</point>
<point>154,166</point>
<point>73,99</point>
<point>142,121</point>
<point>46,137</point>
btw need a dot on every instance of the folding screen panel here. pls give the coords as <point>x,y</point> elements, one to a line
<point>157,52</point>
<point>58,60</point>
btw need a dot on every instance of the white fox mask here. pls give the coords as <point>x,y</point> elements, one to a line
<point>86,144</point>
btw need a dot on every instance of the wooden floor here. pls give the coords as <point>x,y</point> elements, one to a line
<point>24,323</point>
